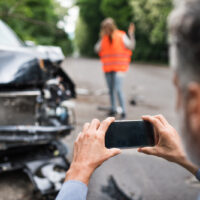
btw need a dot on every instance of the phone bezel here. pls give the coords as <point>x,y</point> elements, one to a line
<point>134,147</point>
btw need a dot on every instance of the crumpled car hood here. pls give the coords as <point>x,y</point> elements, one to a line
<point>19,68</point>
<point>51,53</point>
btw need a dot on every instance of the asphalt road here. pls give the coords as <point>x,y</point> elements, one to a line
<point>135,173</point>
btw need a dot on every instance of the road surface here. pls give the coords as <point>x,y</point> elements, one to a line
<point>151,86</point>
<point>135,173</point>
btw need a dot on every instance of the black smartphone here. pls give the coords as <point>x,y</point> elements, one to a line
<point>129,134</point>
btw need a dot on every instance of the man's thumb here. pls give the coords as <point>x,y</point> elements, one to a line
<point>148,150</point>
<point>114,152</point>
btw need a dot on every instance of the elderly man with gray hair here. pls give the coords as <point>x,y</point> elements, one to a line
<point>89,149</point>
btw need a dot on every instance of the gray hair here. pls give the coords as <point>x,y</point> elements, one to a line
<point>184,38</point>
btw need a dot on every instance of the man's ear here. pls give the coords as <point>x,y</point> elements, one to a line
<point>178,91</point>
<point>193,107</point>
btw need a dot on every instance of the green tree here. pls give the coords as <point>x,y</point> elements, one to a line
<point>119,10</point>
<point>81,36</point>
<point>36,20</point>
<point>91,16</point>
<point>150,17</point>
<point>92,12</point>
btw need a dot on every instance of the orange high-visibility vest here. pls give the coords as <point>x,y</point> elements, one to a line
<point>115,56</point>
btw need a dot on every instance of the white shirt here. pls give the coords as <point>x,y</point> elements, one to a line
<point>128,42</point>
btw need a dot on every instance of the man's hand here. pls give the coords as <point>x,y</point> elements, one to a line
<point>167,141</point>
<point>90,151</point>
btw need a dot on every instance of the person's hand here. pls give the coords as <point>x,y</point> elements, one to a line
<point>167,141</point>
<point>131,29</point>
<point>90,151</point>
<point>102,33</point>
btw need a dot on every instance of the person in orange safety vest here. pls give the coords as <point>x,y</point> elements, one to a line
<point>115,51</point>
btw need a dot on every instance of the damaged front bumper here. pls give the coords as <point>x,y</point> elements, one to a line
<point>47,176</point>
<point>32,134</point>
<point>37,152</point>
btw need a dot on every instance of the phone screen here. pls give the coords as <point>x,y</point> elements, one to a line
<point>129,134</point>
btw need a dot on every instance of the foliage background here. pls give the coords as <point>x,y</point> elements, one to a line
<point>87,34</point>
<point>36,20</point>
<point>149,16</point>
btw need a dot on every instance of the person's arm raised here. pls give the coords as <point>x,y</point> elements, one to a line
<point>167,143</point>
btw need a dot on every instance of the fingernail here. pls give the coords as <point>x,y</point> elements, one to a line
<point>112,118</point>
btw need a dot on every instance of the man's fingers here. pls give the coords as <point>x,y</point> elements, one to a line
<point>78,137</point>
<point>105,124</point>
<point>146,117</point>
<point>95,124</point>
<point>162,119</point>
<point>76,144</point>
<point>86,126</point>
<point>156,122</point>
<point>114,152</point>
<point>156,136</point>
<point>148,150</point>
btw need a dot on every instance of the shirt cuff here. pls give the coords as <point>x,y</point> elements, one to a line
<point>73,190</point>
<point>198,174</point>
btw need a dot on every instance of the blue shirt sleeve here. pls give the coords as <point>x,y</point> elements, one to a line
<point>198,175</point>
<point>73,190</point>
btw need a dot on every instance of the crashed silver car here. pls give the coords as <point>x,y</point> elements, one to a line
<point>36,112</point>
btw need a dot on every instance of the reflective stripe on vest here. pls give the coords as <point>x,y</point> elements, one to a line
<point>116,63</point>
<point>115,56</point>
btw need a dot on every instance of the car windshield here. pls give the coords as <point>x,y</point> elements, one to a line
<point>8,37</point>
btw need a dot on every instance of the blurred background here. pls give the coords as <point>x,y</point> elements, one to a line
<point>74,24</point>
